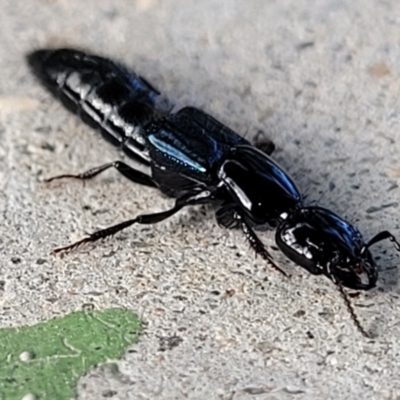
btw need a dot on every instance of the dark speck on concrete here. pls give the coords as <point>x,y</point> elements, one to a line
<point>371,210</point>
<point>305,45</point>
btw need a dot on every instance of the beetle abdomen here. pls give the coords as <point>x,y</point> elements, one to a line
<point>103,93</point>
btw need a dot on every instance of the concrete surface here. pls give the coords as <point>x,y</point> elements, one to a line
<point>319,78</point>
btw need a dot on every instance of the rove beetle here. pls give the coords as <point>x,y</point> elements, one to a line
<point>194,158</point>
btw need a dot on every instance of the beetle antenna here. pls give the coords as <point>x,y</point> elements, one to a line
<point>354,317</point>
<point>315,203</point>
<point>382,236</point>
<point>320,197</point>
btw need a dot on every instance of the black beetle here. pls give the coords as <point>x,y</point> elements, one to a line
<point>196,159</point>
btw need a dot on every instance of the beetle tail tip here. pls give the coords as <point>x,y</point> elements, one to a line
<point>36,59</point>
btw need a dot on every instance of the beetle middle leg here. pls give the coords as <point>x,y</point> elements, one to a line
<point>131,173</point>
<point>186,200</point>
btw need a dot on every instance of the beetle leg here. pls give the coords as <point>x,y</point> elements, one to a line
<point>229,217</point>
<point>124,169</point>
<point>264,144</point>
<point>353,314</point>
<point>226,216</point>
<point>258,246</point>
<point>186,200</point>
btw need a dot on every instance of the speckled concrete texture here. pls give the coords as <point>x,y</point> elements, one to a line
<point>322,80</point>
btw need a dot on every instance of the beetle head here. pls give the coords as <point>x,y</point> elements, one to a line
<point>323,243</point>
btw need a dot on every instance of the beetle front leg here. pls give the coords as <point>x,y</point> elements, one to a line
<point>132,174</point>
<point>229,217</point>
<point>264,144</point>
<point>258,246</point>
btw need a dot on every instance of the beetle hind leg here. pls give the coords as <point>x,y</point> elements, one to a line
<point>130,173</point>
